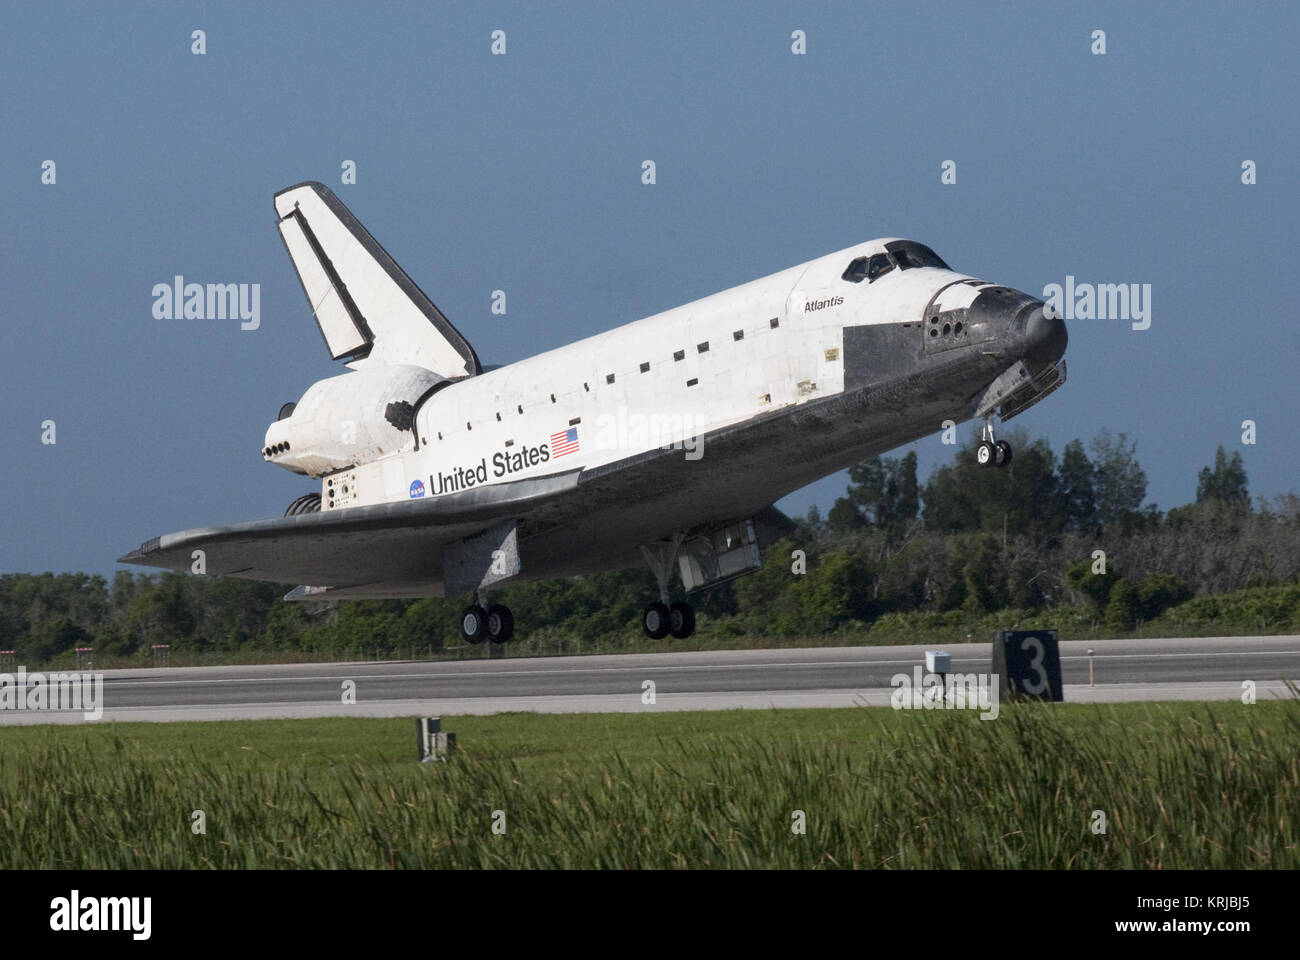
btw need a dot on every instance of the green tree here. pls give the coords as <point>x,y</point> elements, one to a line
<point>1159,592</point>
<point>1225,483</point>
<point>1025,585</point>
<point>53,637</point>
<point>835,591</point>
<point>1023,498</point>
<point>1078,487</point>
<point>1124,605</point>
<point>1096,587</point>
<point>1119,481</point>
<point>845,517</point>
<point>882,493</point>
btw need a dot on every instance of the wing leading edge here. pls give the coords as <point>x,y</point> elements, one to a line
<point>398,543</point>
<point>396,549</point>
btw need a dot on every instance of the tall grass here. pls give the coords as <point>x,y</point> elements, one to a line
<point>1180,787</point>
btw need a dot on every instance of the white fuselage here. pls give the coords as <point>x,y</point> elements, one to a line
<point>677,432</point>
<point>665,380</point>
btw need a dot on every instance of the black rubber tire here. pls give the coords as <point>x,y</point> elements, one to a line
<point>500,624</point>
<point>473,624</point>
<point>656,620</point>
<point>985,455</point>
<point>1002,453</point>
<point>681,617</point>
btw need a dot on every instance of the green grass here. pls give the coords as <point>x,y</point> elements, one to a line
<point>1182,786</point>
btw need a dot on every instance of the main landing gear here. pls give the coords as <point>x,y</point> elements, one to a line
<point>659,619</point>
<point>662,618</point>
<point>992,451</point>
<point>481,621</point>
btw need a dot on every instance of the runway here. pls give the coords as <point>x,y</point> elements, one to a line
<point>1209,668</point>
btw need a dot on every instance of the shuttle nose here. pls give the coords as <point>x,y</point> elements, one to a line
<point>1022,323</point>
<point>1045,336</point>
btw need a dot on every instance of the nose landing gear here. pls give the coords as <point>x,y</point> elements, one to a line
<point>991,451</point>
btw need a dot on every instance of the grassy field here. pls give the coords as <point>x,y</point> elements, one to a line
<point>1181,786</point>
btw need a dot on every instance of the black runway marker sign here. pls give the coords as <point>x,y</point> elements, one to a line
<point>1029,663</point>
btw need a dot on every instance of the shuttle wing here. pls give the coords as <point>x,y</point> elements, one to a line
<point>387,543</point>
<point>367,308</point>
<point>397,549</point>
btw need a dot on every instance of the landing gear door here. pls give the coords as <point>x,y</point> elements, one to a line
<point>709,559</point>
<point>481,559</point>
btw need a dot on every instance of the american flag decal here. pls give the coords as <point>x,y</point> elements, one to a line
<point>566,441</point>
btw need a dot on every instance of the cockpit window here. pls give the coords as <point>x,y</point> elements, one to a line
<point>856,271</point>
<point>878,266</point>
<point>868,268</point>
<point>907,259</point>
<point>908,254</point>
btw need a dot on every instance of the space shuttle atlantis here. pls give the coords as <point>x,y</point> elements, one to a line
<point>664,442</point>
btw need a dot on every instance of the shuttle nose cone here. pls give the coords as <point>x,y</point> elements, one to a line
<point>1045,336</point>
<point>1022,323</point>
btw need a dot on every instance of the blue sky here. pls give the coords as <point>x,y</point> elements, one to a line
<point>522,172</point>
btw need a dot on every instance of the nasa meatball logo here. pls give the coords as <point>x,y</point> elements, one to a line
<point>417,489</point>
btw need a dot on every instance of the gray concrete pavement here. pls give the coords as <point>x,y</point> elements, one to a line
<point>1208,668</point>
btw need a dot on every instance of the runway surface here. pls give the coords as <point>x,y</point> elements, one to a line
<point>1209,668</point>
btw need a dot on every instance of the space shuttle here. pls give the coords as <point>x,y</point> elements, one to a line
<point>663,442</point>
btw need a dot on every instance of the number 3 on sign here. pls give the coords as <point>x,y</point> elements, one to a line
<point>1028,664</point>
<point>1038,686</point>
